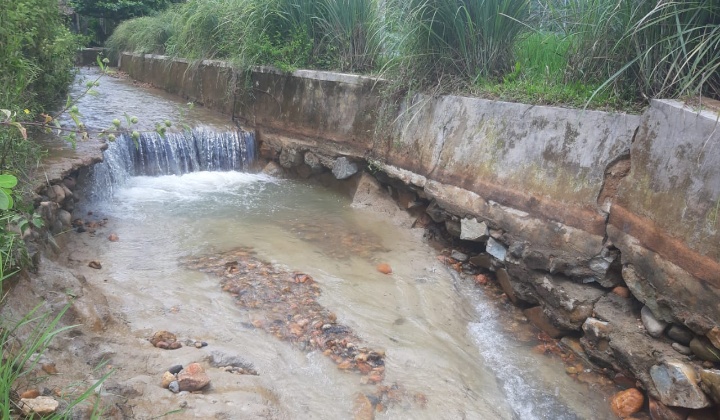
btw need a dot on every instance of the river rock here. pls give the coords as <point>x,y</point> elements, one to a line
<point>677,385</point>
<point>538,317</point>
<point>506,285</point>
<point>436,213</point>
<point>595,329</point>
<point>711,383</point>
<point>496,249</point>
<point>273,169</point>
<point>714,336</point>
<point>363,408</point>
<point>684,350</point>
<point>472,230</point>
<point>56,194</point>
<point>482,260</point>
<point>621,291</point>
<point>384,268</point>
<point>174,387</point>
<point>704,350</point>
<point>659,411</point>
<point>175,369</point>
<point>680,334</point>
<point>453,227</point>
<point>653,326</point>
<point>193,378</point>
<point>566,302</point>
<point>166,379</point>
<point>64,217</point>
<point>626,403</point>
<point>290,158</point>
<point>41,406</point>
<point>457,255</point>
<point>343,168</point>
<point>30,394</point>
<point>313,161</point>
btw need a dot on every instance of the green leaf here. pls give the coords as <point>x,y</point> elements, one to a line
<point>5,200</point>
<point>8,181</point>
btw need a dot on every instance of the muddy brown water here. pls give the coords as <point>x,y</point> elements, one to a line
<point>446,343</point>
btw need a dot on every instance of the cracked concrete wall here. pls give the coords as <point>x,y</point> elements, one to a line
<point>665,215</point>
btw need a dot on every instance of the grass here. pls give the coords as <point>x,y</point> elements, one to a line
<point>595,53</point>
<point>22,343</point>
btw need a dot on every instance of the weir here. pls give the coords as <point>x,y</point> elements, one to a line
<point>175,153</point>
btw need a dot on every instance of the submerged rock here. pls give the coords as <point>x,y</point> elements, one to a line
<point>626,403</point>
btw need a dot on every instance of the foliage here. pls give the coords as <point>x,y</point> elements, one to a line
<point>22,342</point>
<point>643,49</point>
<point>37,54</point>
<point>614,52</point>
<point>463,39</point>
<point>332,34</point>
<point>119,9</point>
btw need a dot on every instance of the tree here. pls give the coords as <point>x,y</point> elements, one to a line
<point>120,9</point>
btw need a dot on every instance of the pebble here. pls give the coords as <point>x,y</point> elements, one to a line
<point>174,386</point>
<point>457,255</point>
<point>680,334</point>
<point>49,368</point>
<point>653,326</point>
<point>175,369</point>
<point>384,268</point>
<point>113,238</point>
<point>95,264</point>
<point>167,378</point>
<point>621,291</point>
<point>684,350</point>
<point>41,405</point>
<point>286,303</point>
<point>626,403</point>
<point>165,340</point>
<point>30,394</point>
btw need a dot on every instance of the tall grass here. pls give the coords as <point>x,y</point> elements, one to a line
<point>466,39</point>
<point>143,35</point>
<point>645,48</point>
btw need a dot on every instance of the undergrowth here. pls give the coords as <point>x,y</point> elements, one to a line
<point>610,54</point>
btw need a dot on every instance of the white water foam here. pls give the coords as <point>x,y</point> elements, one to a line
<point>514,371</point>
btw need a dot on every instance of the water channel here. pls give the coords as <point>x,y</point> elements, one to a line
<point>447,345</point>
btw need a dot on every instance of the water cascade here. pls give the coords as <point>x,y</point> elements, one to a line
<point>200,149</point>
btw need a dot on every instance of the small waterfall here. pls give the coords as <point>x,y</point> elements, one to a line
<point>201,149</point>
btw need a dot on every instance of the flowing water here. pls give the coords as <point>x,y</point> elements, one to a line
<point>173,198</point>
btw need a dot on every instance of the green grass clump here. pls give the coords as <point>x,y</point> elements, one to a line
<point>598,53</point>
<point>460,39</point>
<point>143,35</point>
<point>22,343</point>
